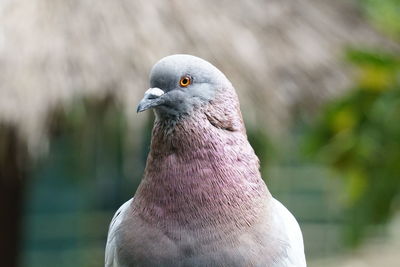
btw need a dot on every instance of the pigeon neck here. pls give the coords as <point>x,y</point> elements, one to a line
<point>197,171</point>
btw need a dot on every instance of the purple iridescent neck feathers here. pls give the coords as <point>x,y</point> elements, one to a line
<point>202,166</point>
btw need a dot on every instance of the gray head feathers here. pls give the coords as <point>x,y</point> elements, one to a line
<point>186,82</point>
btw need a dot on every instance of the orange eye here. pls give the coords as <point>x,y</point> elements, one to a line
<point>185,81</point>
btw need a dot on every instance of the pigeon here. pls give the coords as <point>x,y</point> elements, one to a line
<point>202,201</point>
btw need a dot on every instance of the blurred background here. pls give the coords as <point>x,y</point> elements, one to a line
<point>319,85</point>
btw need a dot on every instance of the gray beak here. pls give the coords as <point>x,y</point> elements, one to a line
<point>151,99</point>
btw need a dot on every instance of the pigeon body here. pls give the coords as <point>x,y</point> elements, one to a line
<point>202,201</point>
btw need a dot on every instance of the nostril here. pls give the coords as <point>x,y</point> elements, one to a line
<point>151,96</point>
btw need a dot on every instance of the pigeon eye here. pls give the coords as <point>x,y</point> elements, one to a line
<point>185,81</point>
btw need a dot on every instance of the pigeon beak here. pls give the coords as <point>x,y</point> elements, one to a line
<point>151,99</point>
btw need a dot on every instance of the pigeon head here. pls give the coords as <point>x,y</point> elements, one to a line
<point>179,84</point>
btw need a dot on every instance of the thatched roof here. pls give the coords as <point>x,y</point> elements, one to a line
<point>279,54</point>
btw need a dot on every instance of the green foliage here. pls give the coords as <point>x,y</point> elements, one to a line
<point>359,135</point>
<point>385,14</point>
<point>262,146</point>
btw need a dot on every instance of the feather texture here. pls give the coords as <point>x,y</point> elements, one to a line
<point>202,201</point>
